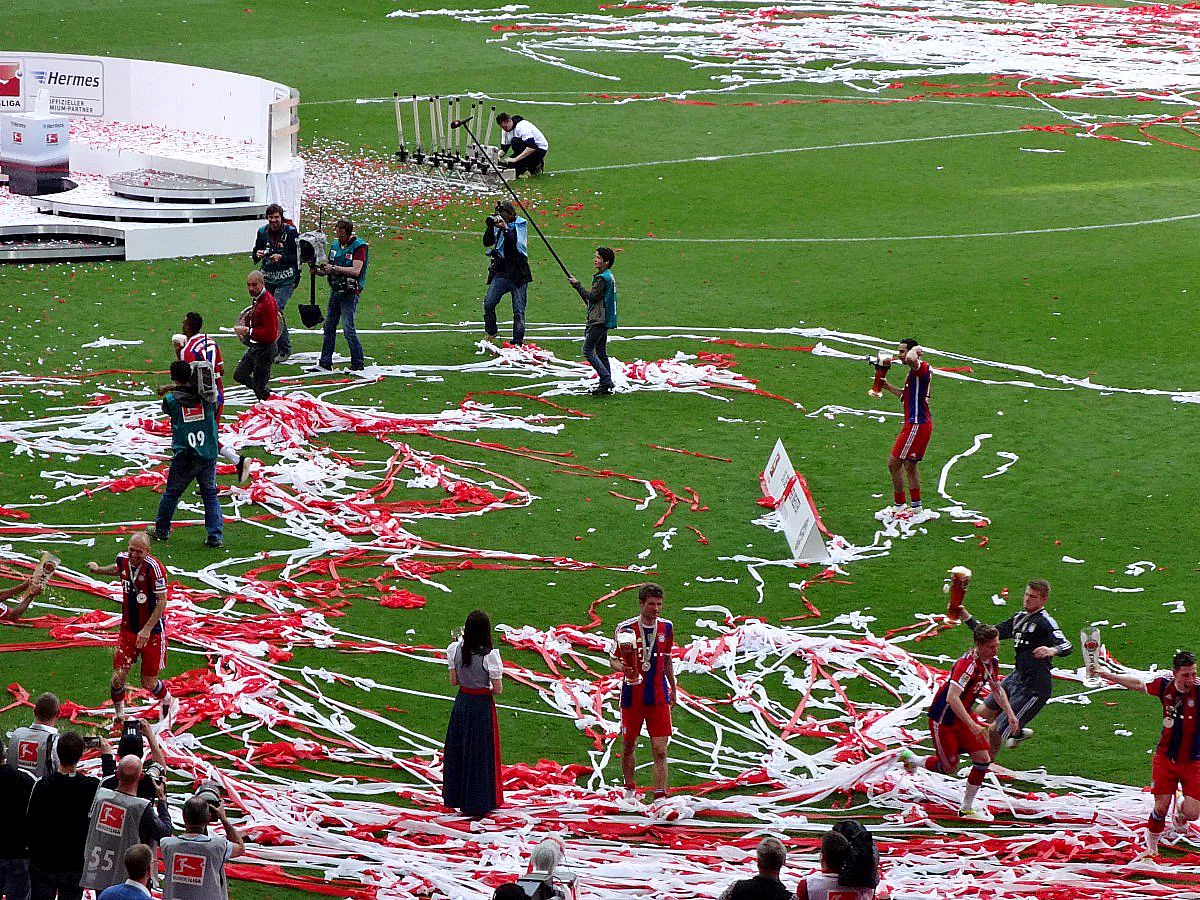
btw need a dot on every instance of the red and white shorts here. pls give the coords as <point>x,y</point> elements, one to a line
<point>912,441</point>
<point>950,741</point>
<point>153,655</point>
<point>657,719</point>
<point>1167,776</point>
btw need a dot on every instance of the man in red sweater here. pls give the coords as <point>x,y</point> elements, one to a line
<point>254,371</point>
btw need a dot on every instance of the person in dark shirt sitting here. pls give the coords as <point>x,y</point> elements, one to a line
<point>58,823</point>
<point>766,884</point>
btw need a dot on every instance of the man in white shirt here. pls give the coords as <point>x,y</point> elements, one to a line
<point>527,144</point>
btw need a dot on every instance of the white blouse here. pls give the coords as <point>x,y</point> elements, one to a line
<point>491,663</point>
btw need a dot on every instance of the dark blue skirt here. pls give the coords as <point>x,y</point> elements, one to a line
<point>471,764</point>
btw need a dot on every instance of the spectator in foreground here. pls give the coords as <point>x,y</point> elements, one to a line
<point>58,823</point>
<point>849,866</point>
<point>766,885</point>
<point>138,864</point>
<point>15,787</point>
<point>31,747</point>
<point>545,879</point>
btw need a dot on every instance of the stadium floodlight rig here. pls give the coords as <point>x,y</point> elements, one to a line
<point>447,157</point>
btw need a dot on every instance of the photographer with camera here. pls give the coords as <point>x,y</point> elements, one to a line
<point>195,861</point>
<point>118,820</point>
<point>276,252</point>
<point>136,734</point>
<point>58,823</point>
<point>194,454</point>
<point>347,274</point>
<point>506,237</point>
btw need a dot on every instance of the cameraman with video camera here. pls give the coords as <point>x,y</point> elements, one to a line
<point>347,274</point>
<point>135,735</point>
<point>506,237</point>
<point>195,861</point>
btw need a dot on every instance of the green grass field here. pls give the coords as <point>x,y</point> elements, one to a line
<point>745,242</point>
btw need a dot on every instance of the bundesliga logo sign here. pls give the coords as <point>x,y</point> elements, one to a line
<point>187,869</point>
<point>27,751</point>
<point>111,819</point>
<point>10,85</point>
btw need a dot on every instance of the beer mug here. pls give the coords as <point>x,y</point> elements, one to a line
<point>627,653</point>
<point>960,577</point>
<point>882,361</point>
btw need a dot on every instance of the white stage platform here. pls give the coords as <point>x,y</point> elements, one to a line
<point>195,156</point>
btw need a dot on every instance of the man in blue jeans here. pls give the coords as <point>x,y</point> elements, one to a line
<point>347,273</point>
<point>276,251</point>
<point>194,448</point>
<point>506,239</point>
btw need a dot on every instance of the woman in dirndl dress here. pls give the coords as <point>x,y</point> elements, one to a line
<point>471,764</point>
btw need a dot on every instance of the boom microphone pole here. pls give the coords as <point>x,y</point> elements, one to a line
<point>460,123</point>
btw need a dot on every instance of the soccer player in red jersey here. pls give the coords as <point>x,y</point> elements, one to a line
<point>1177,757</point>
<point>952,725</point>
<point>650,702</point>
<point>143,605</point>
<point>909,448</point>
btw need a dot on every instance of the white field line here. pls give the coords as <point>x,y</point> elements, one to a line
<point>782,150</point>
<point>1061,229</point>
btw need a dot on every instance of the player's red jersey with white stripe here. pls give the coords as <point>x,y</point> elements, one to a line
<point>1180,741</point>
<point>660,639</point>
<point>141,588</point>
<point>201,346</point>
<point>915,397</point>
<point>970,673</point>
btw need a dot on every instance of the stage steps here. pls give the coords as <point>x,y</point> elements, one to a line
<point>58,243</point>
<point>157,186</point>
